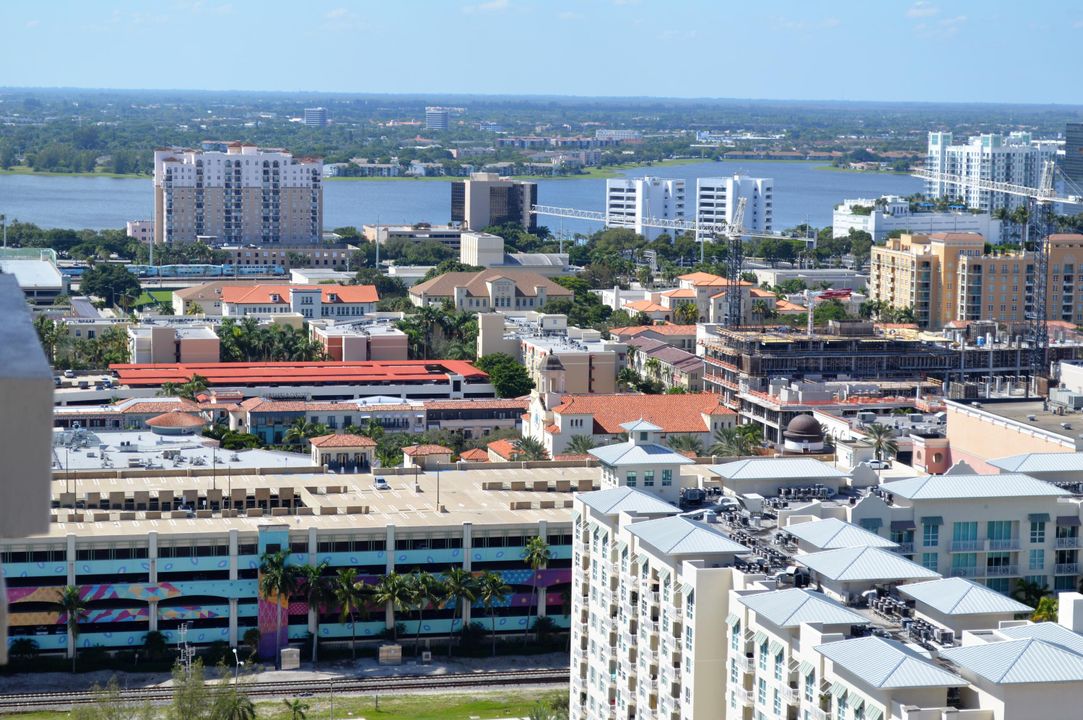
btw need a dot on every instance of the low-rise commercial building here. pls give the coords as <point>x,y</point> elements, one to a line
<point>360,340</point>
<point>679,336</point>
<point>882,216</point>
<point>673,367</point>
<point>309,301</point>
<point>498,290</point>
<point>166,343</point>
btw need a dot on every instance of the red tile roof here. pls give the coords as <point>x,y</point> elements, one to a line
<point>176,419</point>
<point>261,294</point>
<point>672,413</point>
<point>660,329</point>
<point>474,455</point>
<point>500,403</point>
<point>645,306</point>
<point>295,373</point>
<point>702,278</point>
<point>341,441</point>
<point>680,293</point>
<point>505,449</point>
<point>422,450</point>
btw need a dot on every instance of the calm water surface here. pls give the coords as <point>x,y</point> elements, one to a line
<point>803,191</point>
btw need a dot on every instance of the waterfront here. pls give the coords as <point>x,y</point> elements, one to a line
<point>803,191</point>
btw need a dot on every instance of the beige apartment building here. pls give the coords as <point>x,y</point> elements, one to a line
<point>237,193</point>
<point>948,276</point>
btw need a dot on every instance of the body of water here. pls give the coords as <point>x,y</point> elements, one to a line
<point>803,191</point>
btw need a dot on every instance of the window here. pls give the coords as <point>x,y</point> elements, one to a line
<point>776,704</point>
<point>761,691</point>
<point>1037,532</point>
<point>735,636</point>
<point>733,671</point>
<point>840,707</point>
<point>999,529</point>
<point>1036,560</point>
<point>810,687</point>
<point>763,655</point>
<point>667,478</point>
<point>930,561</point>
<point>930,535</point>
<point>630,479</point>
<point>779,661</point>
<point>648,478</point>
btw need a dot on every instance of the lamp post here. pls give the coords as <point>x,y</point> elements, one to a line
<point>438,489</point>
<point>332,700</point>
<point>236,667</point>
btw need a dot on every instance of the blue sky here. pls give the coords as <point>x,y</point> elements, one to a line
<point>923,50</point>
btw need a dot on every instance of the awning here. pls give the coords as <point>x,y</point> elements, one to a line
<point>776,647</point>
<point>837,690</point>
<point>805,668</point>
<point>1038,517</point>
<point>1070,521</point>
<point>732,619</point>
<point>760,637</point>
<point>872,712</point>
<point>903,525</point>
<point>663,573</point>
<point>932,520</point>
<point>686,589</point>
<point>575,515</point>
<point>872,524</point>
<point>622,547</point>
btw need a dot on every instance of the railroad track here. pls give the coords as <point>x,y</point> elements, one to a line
<point>345,686</point>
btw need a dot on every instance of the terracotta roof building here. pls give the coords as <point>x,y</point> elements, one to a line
<point>494,290</point>
<point>673,367</point>
<point>425,456</point>
<point>309,301</point>
<point>680,336</point>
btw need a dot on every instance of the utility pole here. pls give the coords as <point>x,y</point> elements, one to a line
<point>4,225</point>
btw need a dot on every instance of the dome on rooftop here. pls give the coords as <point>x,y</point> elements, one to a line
<point>552,362</point>
<point>804,428</point>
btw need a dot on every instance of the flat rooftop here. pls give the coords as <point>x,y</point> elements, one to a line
<point>1021,411</point>
<point>87,450</point>
<point>346,502</point>
<point>33,274</point>
<point>296,373</point>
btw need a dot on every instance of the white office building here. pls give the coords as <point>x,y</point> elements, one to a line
<point>717,198</point>
<point>315,117</point>
<point>881,216</point>
<point>631,201</point>
<point>1015,158</point>
<point>436,118</point>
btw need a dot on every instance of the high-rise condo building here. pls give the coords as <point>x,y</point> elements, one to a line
<point>1015,158</point>
<point>717,198</point>
<point>436,118</point>
<point>1072,164</point>
<point>487,199</point>
<point>631,201</point>
<point>948,276</point>
<point>315,117</point>
<point>240,195</point>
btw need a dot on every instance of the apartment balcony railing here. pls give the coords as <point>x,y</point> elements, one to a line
<point>967,545</point>
<point>1002,571</point>
<point>1067,542</point>
<point>966,572</point>
<point>1066,569</point>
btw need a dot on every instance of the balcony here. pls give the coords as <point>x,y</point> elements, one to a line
<point>746,697</point>
<point>967,545</point>
<point>1067,542</point>
<point>1002,571</point>
<point>905,548</point>
<point>966,572</point>
<point>791,696</point>
<point>1066,569</point>
<point>1004,544</point>
<point>748,665</point>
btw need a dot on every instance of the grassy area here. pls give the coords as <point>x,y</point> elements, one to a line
<point>481,704</point>
<point>24,170</point>
<point>833,168</point>
<point>154,296</point>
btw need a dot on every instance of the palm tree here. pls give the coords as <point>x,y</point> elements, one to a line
<point>883,442</point>
<point>194,386</point>
<point>427,591</point>
<point>460,587</point>
<point>536,555</point>
<point>230,704</point>
<point>296,708</point>
<point>277,581</point>
<point>685,443</point>
<point>1046,610</point>
<point>653,366</point>
<point>169,389</point>
<point>1030,593</point>
<point>394,592</point>
<point>301,430</point>
<point>49,334</point>
<point>627,377</point>
<point>74,609</point>
<point>528,448</point>
<point>317,594</point>
<point>492,590</point>
<point>686,313</point>
<point>350,595</point>
<point>581,444</point>
<point>761,310</point>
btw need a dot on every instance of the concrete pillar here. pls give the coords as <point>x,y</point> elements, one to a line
<point>71,559</point>
<point>543,531</point>
<point>389,615</point>
<point>233,639</point>
<point>152,615</point>
<point>152,556</point>
<point>313,549</point>
<point>233,545</point>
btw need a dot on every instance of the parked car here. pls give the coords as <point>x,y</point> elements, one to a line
<point>69,373</point>
<point>381,484</point>
<point>877,464</point>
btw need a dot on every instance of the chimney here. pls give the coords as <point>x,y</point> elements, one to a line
<point>1070,611</point>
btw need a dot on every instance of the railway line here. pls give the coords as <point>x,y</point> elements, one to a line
<point>25,702</point>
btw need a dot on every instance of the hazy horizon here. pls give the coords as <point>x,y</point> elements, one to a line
<point>964,52</point>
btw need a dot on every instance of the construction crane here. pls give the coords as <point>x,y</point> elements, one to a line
<point>733,231</point>
<point>1040,201</point>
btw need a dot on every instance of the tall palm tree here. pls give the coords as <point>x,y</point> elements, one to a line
<point>528,448</point>
<point>883,442</point>
<point>317,594</point>
<point>653,366</point>
<point>1046,610</point>
<point>349,593</point>
<point>427,591</point>
<point>230,704</point>
<point>627,377</point>
<point>1029,593</point>
<point>49,334</point>
<point>536,555</point>
<point>459,587</point>
<point>296,708</point>
<point>492,590</point>
<point>731,441</point>
<point>395,593</point>
<point>685,443</point>
<point>581,444</point>
<point>169,389</point>
<point>74,609</point>
<point>301,430</point>
<point>277,581</point>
